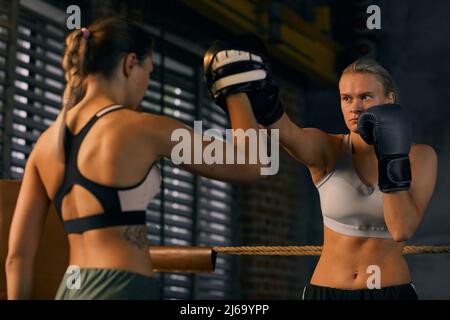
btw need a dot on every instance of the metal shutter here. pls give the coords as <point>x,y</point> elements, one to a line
<point>5,29</point>
<point>38,84</point>
<point>170,216</point>
<point>193,210</point>
<point>215,217</point>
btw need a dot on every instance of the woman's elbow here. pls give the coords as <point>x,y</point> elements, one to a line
<point>11,263</point>
<point>14,263</point>
<point>402,235</point>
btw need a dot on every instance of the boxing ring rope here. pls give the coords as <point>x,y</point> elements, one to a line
<point>311,250</point>
<point>203,258</point>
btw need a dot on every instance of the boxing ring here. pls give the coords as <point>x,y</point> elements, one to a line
<point>53,253</point>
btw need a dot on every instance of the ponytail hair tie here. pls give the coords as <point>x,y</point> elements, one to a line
<point>86,33</point>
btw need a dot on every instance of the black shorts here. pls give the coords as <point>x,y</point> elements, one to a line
<point>400,292</point>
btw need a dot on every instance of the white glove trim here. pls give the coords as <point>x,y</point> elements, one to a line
<point>249,76</point>
<point>231,56</point>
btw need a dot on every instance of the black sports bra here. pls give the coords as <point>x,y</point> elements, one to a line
<point>121,206</point>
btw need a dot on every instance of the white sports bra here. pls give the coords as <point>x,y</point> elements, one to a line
<point>348,205</point>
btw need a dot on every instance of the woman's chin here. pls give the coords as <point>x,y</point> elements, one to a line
<point>352,126</point>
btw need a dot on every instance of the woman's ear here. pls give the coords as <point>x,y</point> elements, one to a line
<point>391,97</point>
<point>129,61</point>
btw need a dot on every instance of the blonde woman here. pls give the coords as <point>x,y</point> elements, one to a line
<point>374,188</point>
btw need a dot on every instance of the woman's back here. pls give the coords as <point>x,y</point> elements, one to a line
<point>114,154</point>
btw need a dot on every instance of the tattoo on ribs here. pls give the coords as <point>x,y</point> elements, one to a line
<point>136,235</point>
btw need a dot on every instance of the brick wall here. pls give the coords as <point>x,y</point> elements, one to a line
<point>279,210</point>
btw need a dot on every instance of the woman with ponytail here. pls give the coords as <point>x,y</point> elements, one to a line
<point>97,164</point>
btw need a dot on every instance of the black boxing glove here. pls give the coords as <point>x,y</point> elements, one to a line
<point>388,128</point>
<point>241,67</point>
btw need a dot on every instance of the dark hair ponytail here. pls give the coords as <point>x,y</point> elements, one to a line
<point>73,67</point>
<point>97,50</point>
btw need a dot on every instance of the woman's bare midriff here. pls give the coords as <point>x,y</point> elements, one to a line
<point>106,248</point>
<point>345,261</point>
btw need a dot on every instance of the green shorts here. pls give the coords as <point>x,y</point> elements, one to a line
<point>107,284</point>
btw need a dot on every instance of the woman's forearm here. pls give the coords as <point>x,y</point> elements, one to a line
<point>242,118</point>
<point>401,214</point>
<point>240,111</point>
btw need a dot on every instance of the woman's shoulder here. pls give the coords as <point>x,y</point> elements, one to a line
<point>336,137</point>
<point>127,122</point>
<point>46,139</point>
<point>336,141</point>
<point>157,123</point>
<point>140,116</point>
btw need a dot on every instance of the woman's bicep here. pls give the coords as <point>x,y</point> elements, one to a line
<point>309,146</point>
<point>29,215</point>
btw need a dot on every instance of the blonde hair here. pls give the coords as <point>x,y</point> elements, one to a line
<point>367,65</point>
